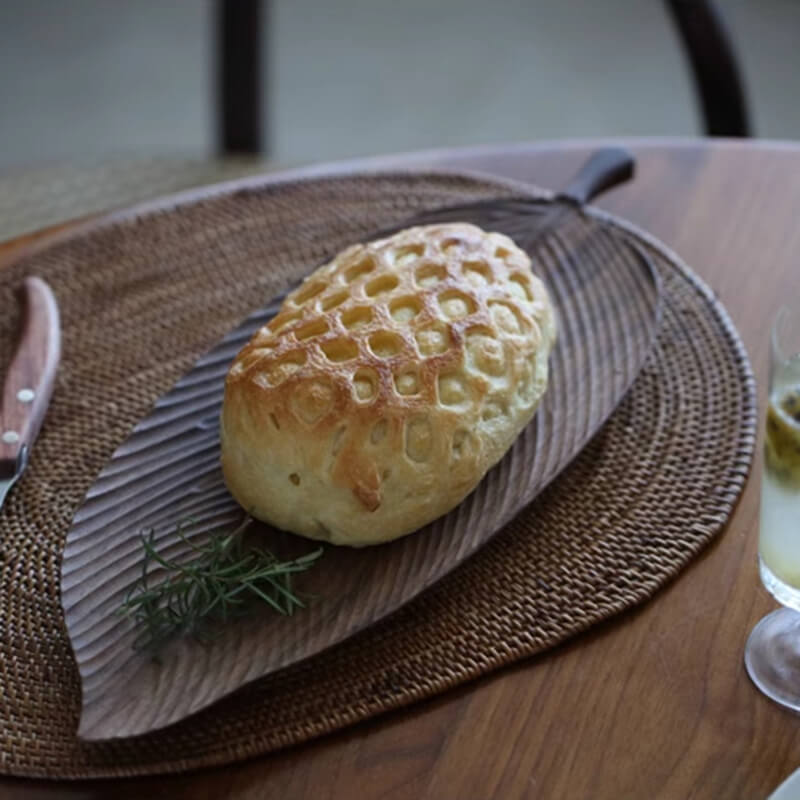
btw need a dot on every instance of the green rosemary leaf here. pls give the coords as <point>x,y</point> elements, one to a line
<point>266,598</point>
<point>283,588</point>
<point>217,584</point>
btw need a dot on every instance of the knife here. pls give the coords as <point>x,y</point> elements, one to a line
<point>29,382</point>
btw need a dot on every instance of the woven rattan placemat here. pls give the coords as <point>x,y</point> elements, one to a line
<point>143,296</point>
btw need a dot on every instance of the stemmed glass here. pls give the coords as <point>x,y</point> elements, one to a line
<point>772,655</point>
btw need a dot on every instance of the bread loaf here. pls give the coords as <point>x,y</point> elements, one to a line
<point>388,384</point>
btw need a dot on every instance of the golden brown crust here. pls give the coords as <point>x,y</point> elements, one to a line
<point>388,384</point>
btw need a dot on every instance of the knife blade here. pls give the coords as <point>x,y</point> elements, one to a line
<point>29,383</point>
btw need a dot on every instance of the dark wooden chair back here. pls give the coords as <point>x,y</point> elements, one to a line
<point>240,93</point>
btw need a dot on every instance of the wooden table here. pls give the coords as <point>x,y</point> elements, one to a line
<point>656,703</point>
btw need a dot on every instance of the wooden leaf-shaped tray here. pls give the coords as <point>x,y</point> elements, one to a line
<point>606,295</point>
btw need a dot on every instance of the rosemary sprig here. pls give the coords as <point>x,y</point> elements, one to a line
<point>223,581</point>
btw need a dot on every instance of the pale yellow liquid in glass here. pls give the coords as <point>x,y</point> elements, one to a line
<point>779,538</point>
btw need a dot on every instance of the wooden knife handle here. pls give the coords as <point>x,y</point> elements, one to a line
<point>31,376</point>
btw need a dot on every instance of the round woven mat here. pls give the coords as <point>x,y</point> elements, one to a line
<point>143,296</point>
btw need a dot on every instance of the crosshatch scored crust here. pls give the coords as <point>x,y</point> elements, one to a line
<point>391,380</point>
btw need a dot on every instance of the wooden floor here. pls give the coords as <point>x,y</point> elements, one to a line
<point>90,78</point>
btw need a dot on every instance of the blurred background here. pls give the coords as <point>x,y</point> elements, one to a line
<point>89,79</point>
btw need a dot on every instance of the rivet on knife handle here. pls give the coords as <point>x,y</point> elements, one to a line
<point>31,376</point>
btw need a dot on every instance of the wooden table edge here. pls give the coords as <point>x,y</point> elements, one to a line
<point>437,159</point>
